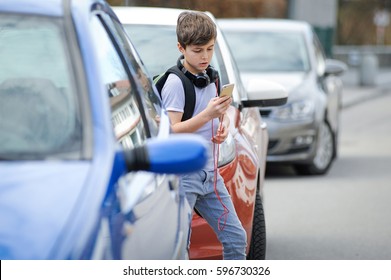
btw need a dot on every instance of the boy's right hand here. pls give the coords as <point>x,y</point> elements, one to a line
<point>218,106</point>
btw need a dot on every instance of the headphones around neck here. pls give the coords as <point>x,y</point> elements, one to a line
<point>202,79</point>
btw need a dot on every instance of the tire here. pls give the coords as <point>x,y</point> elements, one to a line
<point>324,155</point>
<point>257,249</point>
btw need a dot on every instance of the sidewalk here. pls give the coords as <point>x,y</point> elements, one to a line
<point>354,93</point>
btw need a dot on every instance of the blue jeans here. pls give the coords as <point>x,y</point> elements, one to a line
<point>199,190</point>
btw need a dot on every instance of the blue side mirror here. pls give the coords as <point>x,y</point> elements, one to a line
<point>179,153</point>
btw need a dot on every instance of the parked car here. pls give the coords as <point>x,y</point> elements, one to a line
<point>242,155</point>
<point>304,132</point>
<point>87,163</point>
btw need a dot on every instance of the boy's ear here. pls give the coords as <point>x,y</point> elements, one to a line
<point>180,48</point>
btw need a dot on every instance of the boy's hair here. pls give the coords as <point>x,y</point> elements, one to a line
<point>195,28</point>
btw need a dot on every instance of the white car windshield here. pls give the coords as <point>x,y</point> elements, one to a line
<point>275,51</point>
<point>157,45</point>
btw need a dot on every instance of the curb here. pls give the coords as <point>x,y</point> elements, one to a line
<point>365,95</point>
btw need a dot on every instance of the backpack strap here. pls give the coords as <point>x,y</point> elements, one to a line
<point>190,96</point>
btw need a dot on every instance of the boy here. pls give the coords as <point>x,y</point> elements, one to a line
<point>196,34</point>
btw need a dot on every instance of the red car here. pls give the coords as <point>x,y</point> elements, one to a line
<point>243,154</point>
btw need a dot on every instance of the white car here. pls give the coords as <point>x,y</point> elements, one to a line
<point>304,132</point>
<point>243,154</point>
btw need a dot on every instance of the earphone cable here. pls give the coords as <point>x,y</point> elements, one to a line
<point>216,158</point>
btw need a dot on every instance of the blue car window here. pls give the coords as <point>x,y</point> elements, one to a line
<point>39,116</point>
<point>149,98</point>
<point>127,121</point>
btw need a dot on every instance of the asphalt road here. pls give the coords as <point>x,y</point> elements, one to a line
<point>344,215</point>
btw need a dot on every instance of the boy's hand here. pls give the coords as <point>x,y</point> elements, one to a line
<point>218,106</point>
<point>222,131</point>
<point>221,134</point>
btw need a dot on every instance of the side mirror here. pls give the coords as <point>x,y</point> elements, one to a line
<point>179,153</point>
<point>264,93</point>
<point>335,67</point>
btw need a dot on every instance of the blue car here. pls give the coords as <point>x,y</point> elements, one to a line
<point>87,165</point>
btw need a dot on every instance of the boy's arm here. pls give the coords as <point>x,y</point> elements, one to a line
<point>216,107</point>
<point>189,126</point>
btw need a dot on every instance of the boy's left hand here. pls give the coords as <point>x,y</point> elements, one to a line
<point>221,134</point>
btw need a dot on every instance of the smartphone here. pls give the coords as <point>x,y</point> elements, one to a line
<point>226,90</point>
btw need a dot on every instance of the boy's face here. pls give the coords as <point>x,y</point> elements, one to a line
<point>197,57</point>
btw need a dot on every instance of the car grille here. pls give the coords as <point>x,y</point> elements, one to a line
<point>298,150</point>
<point>273,143</point>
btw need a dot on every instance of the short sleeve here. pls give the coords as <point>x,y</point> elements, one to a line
<point>173,94</point>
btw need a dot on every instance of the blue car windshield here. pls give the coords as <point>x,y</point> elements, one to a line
<point>274,51</point>
<point>39,115</point>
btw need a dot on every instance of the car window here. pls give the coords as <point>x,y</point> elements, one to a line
<point>320,58</point>
<point>39,112</point>
<point>131,126</point>
<point>275,51</point>
<point>157,45</point>
<point>150,99</point>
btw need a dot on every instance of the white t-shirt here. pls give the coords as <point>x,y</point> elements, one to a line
<point>173,96</point>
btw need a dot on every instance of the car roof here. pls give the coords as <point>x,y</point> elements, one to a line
<point>148,15</point>
<point>264,24</point>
